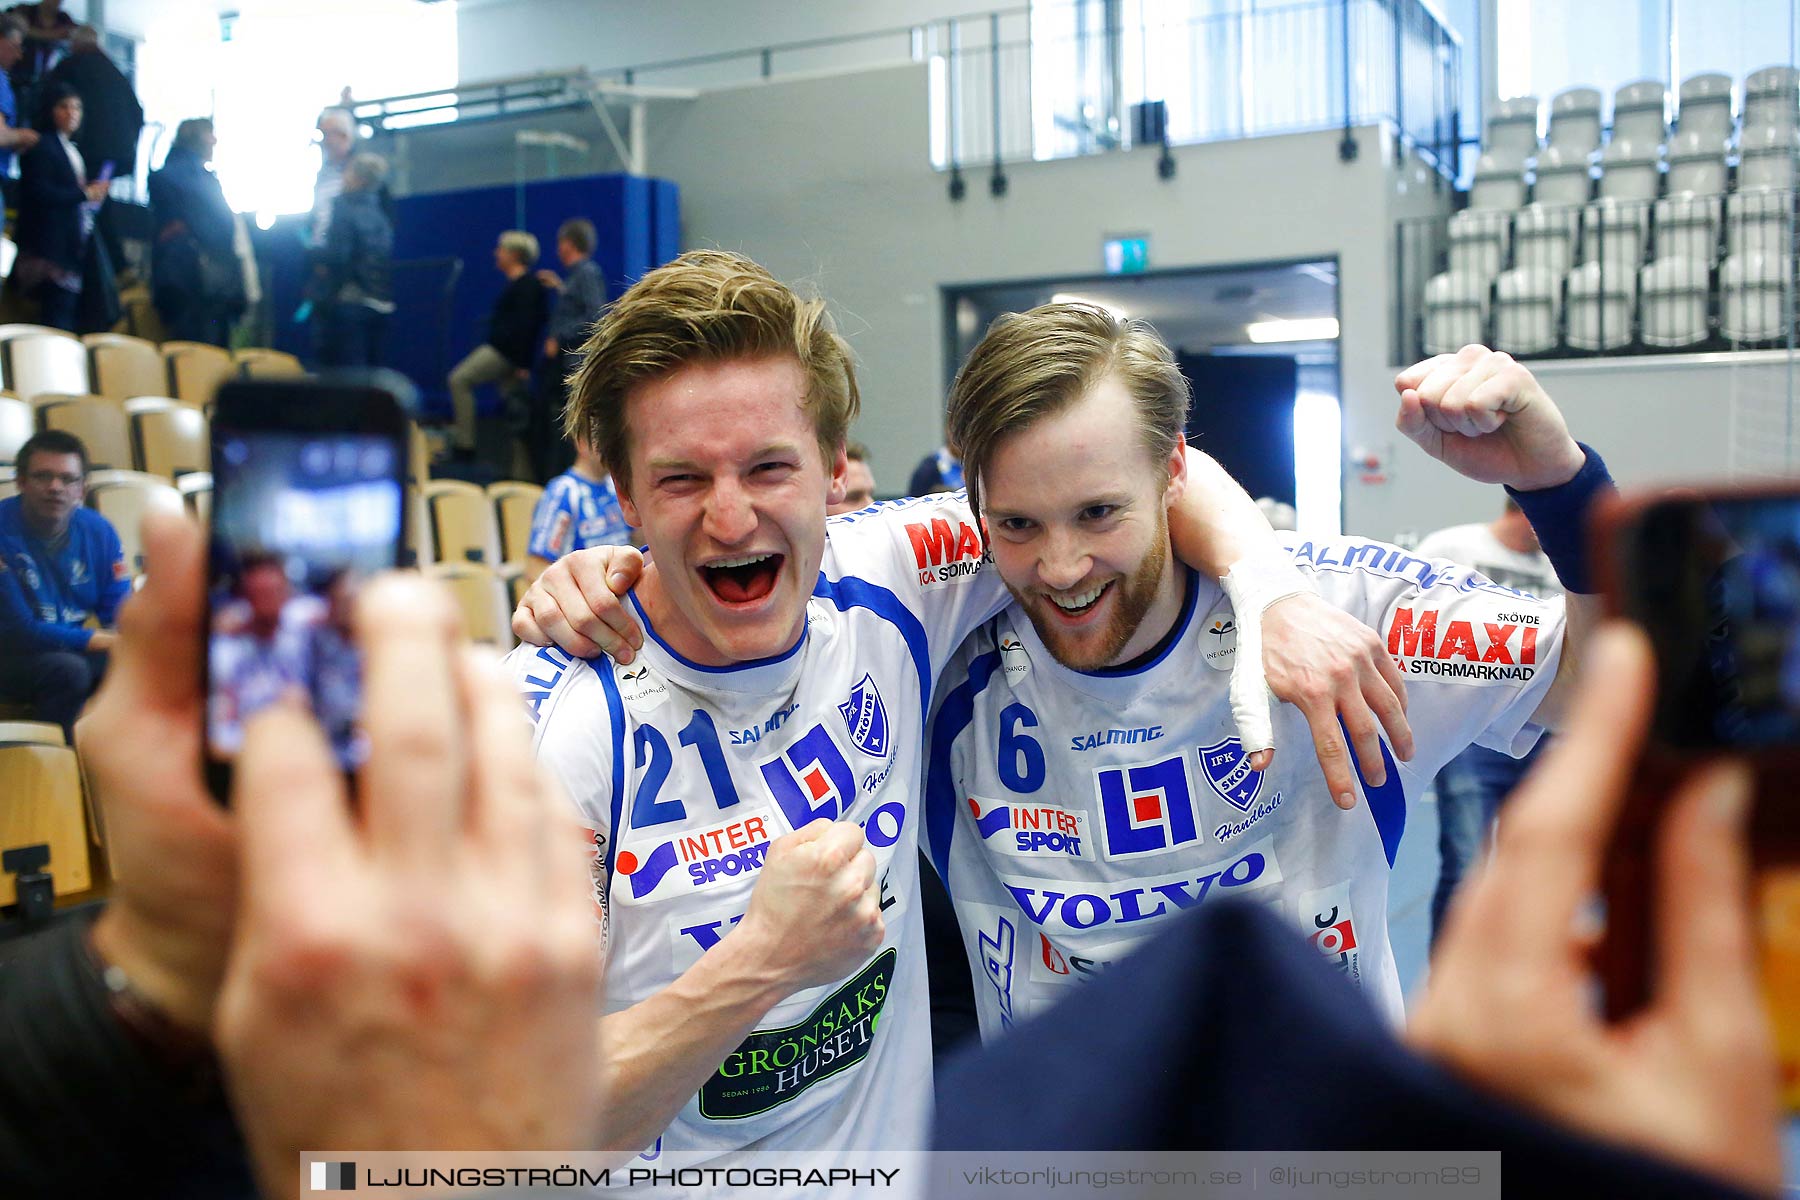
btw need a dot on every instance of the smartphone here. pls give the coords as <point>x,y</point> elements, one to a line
<point>1713,578</point>
<point>308,501</point>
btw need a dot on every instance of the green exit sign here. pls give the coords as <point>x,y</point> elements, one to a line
<point>1127,255</point>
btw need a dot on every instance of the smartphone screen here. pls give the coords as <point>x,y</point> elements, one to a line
<point>300,518</point>
<point>1716,583</point>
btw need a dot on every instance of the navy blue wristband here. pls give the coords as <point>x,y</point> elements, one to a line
<point>1559,517</point>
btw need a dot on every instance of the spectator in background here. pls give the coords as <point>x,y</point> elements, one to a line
<point>939,471</point>
<point>354,283</point>
<point>197,277</point>
<point>514,330</point>
<point>859,481</point>
<point>15,137</point>
<point>60,264</point>
<point>114,118</point>
<point>580,297</point>
<point>47,32</point>
<point>60,567</point>
<point>578,509</point>
<point>337,140</point>
<point>1472,785</point>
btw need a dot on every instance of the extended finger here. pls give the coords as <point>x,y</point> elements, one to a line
<point>412,787</point>
<point>288,794</point>
<point>505,813</point>
<point>603,586</point>
<point>1560,820</point>
<point>158,653</point>
<point>571,600</point>
<point>1333,754</point>
<point>1384,691</point>
<point>1705,952</point>
<point>548,626</point>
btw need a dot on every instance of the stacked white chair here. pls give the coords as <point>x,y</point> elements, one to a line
<point>1687,226</point>
<point>1527,310</point>
<point>1575,121</point>
<point>1478,242</point>
<point>1706,106</point>
<point>1599,306</point>
<point>1759,216</point>
<point>1672,302</point>
<point>1697,162</point>
<point>1753,297</point>
<point>1499,184</point>
<point>1512,132</point>
<point>1456,311</point>
<point>1641,112</point>
<point>1772,97</point>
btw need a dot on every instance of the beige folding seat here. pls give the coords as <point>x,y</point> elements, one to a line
<point>462,522</point>
<point>482,597</point>
<point>514,503</point>
<point>98,422</point>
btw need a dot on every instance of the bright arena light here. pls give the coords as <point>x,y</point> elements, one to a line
<point>1312,329</point>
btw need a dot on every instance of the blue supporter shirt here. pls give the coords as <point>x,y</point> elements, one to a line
<point>45,597</point>
<point>9,108</point>
<point>574,514</point>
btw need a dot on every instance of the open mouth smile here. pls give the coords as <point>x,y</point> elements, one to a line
<point>742,579</point>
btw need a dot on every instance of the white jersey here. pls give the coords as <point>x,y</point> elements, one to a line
<point>1072,813</point>
<point>686,774</point>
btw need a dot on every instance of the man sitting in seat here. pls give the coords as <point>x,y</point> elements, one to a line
<point>61,570</point>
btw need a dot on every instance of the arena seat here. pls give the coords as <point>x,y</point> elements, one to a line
<point>418,453</point>
<point>25,329</point>
<point>17,423</point>
<point>1599,307</point>
<point>44,806</point>
<point>1527,311</point>
<point>482,597</point>
<point>1564,179</point>
<point>1545,237</point>
<point>40,363</point>
<point>1499,184</point>
<point>1641,112</point>
<point>1615,231</point>
<point>123,497</point>
<point>258,363</point>
<point>9,483</point>
<point>98,422</point>
<point>1672,302</point>
<point>1772,97</point>
<point>1456,311</point>
<point>1696,163</point>
<point>1479,241</point>
<point>463,527</point>
<point>1629,170</point>
<point>196,488</point>
<point>123,366</point>
<point>170,439</point>
<point>514,504</point>
<point>419,542</point>
<point>1575,122</point>
<point>1751,294</point>
<point>1512,130</point>
<point>512,575</point>
<point>196,370</point>
<point>1760,221</point>
<point>1687,226</point>
<point>1766,157</point>
<point>36,733</point>
<point>1705,107</point>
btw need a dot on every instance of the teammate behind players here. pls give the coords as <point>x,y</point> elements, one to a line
<point>1086,783</point>
<point>579,508</point>
<point>752,772</point>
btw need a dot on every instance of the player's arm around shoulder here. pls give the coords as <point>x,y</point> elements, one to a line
<point>1486,416</point>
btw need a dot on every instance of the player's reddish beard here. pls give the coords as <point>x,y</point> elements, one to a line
<point>1091,650</point>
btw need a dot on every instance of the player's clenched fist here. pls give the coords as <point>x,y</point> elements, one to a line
<point>1484,415</point>
<point>816,911</point>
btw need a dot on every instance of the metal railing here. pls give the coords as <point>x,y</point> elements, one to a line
<point>1683,273</point>
<point>1061,78</point>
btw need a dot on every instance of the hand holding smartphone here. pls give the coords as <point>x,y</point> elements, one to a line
<point>308,502</point>
<point>1713,578</point>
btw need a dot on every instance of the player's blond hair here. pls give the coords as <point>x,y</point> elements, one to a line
<point>1035,364</point>
<point>707,306</point>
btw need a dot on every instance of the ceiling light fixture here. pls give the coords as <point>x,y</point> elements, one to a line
<point>1310,329</point>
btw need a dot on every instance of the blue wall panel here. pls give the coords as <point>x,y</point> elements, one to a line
<point>637,221</point>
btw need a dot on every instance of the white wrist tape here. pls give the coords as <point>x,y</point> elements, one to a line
<point>1252,584</point>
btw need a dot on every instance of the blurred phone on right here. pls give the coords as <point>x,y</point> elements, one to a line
<point>1713,578</point>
